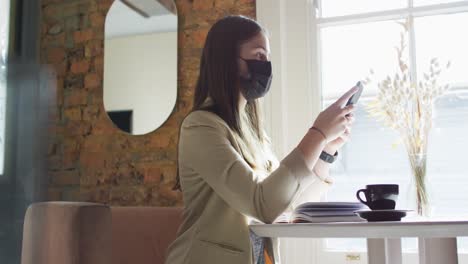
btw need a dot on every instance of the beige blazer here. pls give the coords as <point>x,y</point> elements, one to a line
<point>221,191</point>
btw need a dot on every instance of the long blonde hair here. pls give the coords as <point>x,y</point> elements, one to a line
<point>255,144</point>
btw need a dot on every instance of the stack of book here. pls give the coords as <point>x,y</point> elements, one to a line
<point>323,212</point>
<point>327,212</point>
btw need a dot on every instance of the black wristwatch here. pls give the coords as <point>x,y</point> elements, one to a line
<point>327,157</point>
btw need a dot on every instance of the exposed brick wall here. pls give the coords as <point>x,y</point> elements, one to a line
<point>89,159</point>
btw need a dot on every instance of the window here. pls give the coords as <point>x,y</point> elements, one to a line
<point>4,32</point>
<point>355,36</point>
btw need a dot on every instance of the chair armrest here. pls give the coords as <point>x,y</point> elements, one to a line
<point>67,233</point>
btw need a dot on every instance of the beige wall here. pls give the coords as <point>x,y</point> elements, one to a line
<point>140,74</point>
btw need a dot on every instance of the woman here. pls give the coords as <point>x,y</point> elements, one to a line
<point>226,168</point>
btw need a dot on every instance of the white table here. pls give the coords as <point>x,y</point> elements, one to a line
<point>437,239</point>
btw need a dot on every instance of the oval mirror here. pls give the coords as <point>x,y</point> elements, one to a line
<point>140,64</point>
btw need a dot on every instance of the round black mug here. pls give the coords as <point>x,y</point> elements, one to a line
<point>379,196</point>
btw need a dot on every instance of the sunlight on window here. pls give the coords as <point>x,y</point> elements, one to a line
<point>359,244</point>
<point>341,8</point>
<point>436,36</point>
<point>433,2</point>
<point>347,52</point>
<point>351,51</point>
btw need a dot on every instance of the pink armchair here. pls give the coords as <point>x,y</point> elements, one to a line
<point>90,233</point>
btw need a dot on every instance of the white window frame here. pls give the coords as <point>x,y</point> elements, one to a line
<point>295,98</point>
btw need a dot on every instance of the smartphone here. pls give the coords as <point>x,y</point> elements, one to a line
<point>355,97</point>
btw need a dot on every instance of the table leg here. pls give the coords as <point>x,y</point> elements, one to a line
<point>393,250</point>
<point>438,250</point>
<point>375,250</point>
<point>384,251</point>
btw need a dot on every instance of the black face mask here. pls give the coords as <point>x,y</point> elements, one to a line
<point>260,79</point>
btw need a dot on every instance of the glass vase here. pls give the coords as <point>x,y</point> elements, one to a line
<point>418,190</point>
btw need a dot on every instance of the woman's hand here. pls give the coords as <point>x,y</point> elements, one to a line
<point>336,119</point>
<point>335,122</point>
<point>335,145</point>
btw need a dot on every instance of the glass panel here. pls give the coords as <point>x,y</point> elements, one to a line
<point>4,29</point>
<point>433,2</point>
<point>349,52</point>
<point>447,172</point>
<point>371,143</point>
<point>2,116</point>
<point>408,244</point>
<point>332,8</point>
<point>4,32</point>
<point>368,52</point>
<point>352,172</point>
<point>436,36</point>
